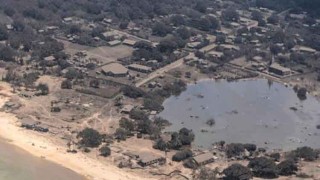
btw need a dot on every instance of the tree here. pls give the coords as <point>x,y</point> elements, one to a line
<point>287,167</point>
<point>161,145</point>
<point>208,174</point>
<point>18,25</point>
<point>72,73</point>
<point>201,6</point>
<point>143,45</point>
<point>7,53</point>
<point>66,84</point>
<point>302,93</point>
<point>105,151</point>
<point>257,15</point>
<point>132,92</point>
<point>161,29</point>
<point>33,13</point>
<point>89,138</point>
<point>273,19</point>
<point>275,49</point>
<point>177,20</point>
<point>263,167</point>
<point>175,142</point>
<point>95,83</point>
<point>93,8</point>
<point>234,149</point>
<point>230,15</point>
<point>237,172</point>
<point>152,104</point>
<point>182,155</point>
<point>183,32</point>
<point>126,124</point>
<point>138,114</point>
<point>167,45</point>
<point>250,147</point>
<point>145,126</point>
<point>186,136</point>
<point>43,88</point>
<point>275,156</point>
<point>9,11</point>
<point>74,29</point>
<point>221,39</point>
<point>306,153</point>
<point>121,134</point>
<point>3,34</point>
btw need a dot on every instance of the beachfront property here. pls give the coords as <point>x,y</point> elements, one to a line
<point>279,70</point>
<point>203,159</point>
<point>147,159</point>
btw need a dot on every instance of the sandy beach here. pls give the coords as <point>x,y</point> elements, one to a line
<point>41,146</point>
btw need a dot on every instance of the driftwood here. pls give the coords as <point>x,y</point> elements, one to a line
<point>173,173</point>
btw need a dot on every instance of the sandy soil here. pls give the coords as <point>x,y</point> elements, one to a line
<point>41,146</point>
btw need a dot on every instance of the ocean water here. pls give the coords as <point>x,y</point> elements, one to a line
<point>16,164</point>
<point>246,111</point>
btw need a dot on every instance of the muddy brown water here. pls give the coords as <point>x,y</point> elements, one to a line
<point>16,164</point>
<point>246,111</point>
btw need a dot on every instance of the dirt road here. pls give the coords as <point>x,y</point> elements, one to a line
<point>163,70</point>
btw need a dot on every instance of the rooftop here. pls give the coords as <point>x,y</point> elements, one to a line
<point>279,67</point>
<point>142,67</point>
<point>49,58</point>
<point>129,42</point>
<point>203,157</point>
<point>114,68</point>
<point>304,48</point>
<point>215,53</point>
<point>146,157</point>
<point>127,108</point>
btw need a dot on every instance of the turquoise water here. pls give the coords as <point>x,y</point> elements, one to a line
<point>16,164</point>
<point>251,111</point>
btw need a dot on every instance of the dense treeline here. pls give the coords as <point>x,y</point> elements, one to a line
<point>125,9</point>
<point>310,6</point>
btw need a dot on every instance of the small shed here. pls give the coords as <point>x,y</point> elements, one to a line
<point>147,159</point>
<point>203,159</point>
<point>129,42</point>
<point>114,43</point>
<point>127,108</point>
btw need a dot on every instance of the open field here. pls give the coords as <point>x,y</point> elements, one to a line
<point>105,54</point>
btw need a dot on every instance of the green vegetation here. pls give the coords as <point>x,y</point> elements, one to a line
<point>43,88</point>
<point>66,84</point>
<point>89,138</point>
<point>132,92</point>
<point>263,167</point>
<point>182,155</point>
<point>234,149</point>
<point>307,153</point>
<point>105,151</point>
<point>237,172</point>
<point>287,168</point>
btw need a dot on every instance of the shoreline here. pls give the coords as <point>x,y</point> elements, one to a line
<point>39,145</point>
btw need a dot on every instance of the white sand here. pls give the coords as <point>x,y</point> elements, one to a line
<point>41,146</point>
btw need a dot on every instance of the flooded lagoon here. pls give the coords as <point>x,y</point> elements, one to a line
<point>16,164</point>
<point>247,111</point>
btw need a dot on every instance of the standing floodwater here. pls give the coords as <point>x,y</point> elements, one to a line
<point>251,111</point>
<point>16,164</point>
